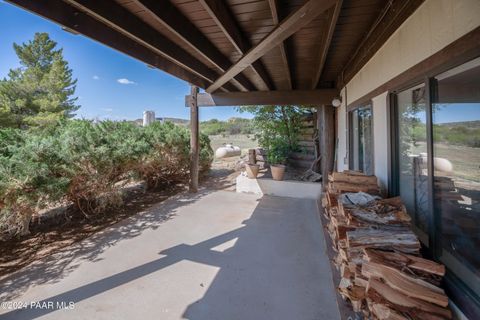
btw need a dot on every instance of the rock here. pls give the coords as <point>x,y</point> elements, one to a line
<point>311,176</point>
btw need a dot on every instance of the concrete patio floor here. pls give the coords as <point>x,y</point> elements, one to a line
<point>216,255</point>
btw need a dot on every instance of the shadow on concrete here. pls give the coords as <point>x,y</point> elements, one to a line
<point>276,269</point>
<point>55,267</point>
<point>221,179</point>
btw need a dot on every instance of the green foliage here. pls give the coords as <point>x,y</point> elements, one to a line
<point>278,151</point>
<point>87,164</point>
<point>39,92</point>
<point>278,129</point>
<point>418,133</point>
<point>231,126</point>
<point>168,162</point>
<point>460,134</point>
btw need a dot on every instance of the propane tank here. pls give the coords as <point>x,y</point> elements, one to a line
<point>440,164</point>
<point>228,150</point>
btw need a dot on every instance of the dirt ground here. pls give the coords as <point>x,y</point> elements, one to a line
<point>51,235</point>
<point>48,236</point>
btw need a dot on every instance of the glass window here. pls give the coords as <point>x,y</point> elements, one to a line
<point>361,140</point>
<point>456,147</point>
<point>412,156</point>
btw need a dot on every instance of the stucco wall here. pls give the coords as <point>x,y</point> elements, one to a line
<point>434,25</point>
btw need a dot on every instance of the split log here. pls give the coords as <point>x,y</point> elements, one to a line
<point>340,187</point>
<point>353,178</point>
<point>401,261</point>
<point>355,294</point>
<point>332,199</point>
<point>381,293</point>
<point>354,172</point>
<point>405,284</point>
<point>382,312</point>
<point>378,212</point>
<point>401,239</point>
<point>360,280</point>
<point>324,202</point>
<point>358,198</point>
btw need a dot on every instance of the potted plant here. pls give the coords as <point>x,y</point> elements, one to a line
<point>252,170</point>
<point>277,157</point>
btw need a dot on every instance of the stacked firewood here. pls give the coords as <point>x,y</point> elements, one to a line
<point>378,255</point>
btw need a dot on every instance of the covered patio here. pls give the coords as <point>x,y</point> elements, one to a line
<point>242,52</point>
<point>216,255</point>
<point>228,255</point>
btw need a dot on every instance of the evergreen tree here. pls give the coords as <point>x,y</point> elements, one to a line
<point>40,92</point>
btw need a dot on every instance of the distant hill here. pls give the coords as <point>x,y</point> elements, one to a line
<point>464,133</point>
<point>182,122</point>
<point>466,124</point>
<point>234,125</point>
<point>176,120</point>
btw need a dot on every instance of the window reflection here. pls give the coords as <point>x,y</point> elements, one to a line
<point>361,149</point>
<point>412,155</point>
<point>456,138</point>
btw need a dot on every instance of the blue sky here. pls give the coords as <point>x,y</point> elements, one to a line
<point>110,84</point>
<point>453,112</point>
<point>457,112</point>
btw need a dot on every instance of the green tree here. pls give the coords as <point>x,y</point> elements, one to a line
<point>278,128</point>
<point>274,122</point>
<point>41,91</point>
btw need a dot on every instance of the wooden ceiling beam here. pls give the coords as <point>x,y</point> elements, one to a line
<point>224,18</point>
<point>390,19</point>
<point>71,18</point>
<point>118,18</point>
<point>274,8</point>
<point>259,98</point>
<point>324,47</point>
<point>171,18</point>
<point>295,21</point>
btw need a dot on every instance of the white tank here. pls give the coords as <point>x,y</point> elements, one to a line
<point>227,151</point>
<point>148,117</point>
<point>440,164</point>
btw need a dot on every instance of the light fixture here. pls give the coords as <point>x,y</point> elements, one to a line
<point>336,102</point>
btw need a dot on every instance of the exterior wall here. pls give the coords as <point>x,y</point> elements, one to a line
<point>434,25</point>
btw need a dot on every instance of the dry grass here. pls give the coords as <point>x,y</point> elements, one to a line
<point>465,160</point>
<point>243,141</point>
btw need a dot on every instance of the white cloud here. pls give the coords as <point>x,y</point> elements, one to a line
<point>125,81</point>
<point>95,77</point>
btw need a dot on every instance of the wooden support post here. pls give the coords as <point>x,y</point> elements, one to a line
<point>194,140</point>
<point>252,156</point>
<point>326,122</point>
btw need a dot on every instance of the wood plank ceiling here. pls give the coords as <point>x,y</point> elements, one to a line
<point>238,45</point>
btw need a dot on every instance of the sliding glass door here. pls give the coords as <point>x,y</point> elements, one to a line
<point>436,165</point>
<point>412,155</point>
<point>456,147</point>
<point>361,140</point>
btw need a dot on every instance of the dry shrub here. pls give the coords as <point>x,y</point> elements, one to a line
<point>87,164</point>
